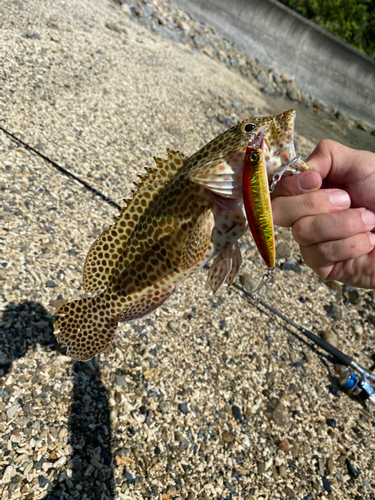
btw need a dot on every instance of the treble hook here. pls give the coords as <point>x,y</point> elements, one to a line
<point>276,178</point>
<point>264,283</point>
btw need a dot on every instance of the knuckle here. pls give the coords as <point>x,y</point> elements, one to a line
<point>329,251</point>
<point>312,203</point>
<point>300,230</point>
<point>325,144</point>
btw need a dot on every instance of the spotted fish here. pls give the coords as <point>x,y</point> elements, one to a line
<point>184,213</point>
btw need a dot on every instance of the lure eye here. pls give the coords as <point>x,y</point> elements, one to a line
<point>249,127</point>
<point>253,157</point>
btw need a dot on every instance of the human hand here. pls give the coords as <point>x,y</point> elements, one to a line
<point>332,213</point>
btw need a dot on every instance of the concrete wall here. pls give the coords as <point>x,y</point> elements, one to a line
<point>322,65</point>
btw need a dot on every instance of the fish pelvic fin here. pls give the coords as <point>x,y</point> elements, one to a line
<point>225,267</point>
<point>220,268</point>
<point>236,264</point>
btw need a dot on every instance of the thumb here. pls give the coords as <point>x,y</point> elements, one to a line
<point>305,182</point>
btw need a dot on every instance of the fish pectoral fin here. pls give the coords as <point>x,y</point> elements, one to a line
<point>221,268</point>
<point>236,264</point>
<point>227,185</point>
<point>197,242</point>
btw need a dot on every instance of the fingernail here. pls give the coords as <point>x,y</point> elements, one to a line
<point>307,182</point>
<point>368,218</point>
<point>371,237</point>
<point>339,198</point>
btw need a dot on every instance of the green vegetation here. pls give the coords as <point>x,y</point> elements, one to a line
<point>351,20</point>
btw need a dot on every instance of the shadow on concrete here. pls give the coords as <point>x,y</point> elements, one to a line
<point>27,327</point>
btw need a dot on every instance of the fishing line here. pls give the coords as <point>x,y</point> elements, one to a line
<point>354,384</point>
<point>61,169</point>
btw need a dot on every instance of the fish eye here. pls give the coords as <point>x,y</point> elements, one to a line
<point>253,157</point>
<point>249,127</point>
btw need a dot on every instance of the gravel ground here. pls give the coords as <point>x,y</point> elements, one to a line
<point>207,398</point>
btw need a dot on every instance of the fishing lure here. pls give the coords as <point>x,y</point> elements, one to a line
<point>257,200</point>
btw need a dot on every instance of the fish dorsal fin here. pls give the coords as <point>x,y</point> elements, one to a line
<point>105,252</point>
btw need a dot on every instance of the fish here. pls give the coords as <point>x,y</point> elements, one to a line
<point>184,212</point>
<point>257,200</point>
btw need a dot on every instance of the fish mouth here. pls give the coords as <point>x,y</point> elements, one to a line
<point>279,143</point>
<point>257,141</point>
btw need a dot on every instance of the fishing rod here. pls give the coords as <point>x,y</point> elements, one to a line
<point>354,384</point>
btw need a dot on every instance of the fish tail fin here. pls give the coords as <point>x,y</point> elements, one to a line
<point>85,327</point>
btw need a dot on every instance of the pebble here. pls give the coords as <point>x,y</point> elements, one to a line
<point>236,413</point>
<point>283,250</point>
<point>331,422</point>
<point>284,446</point>
<point>117,27</point>
<point>353,296</point>
<point>248,282</point>
<point>33,34</point>
<point>174,326</point>
<point>326,484</point>
<point>132,4</point>
<point>227,437</point>
<point>336,288</point>
<point>279,414</point>
<point>352,471</point>
<point>184,444</point>
<point>291,265</point>
<point>183,407</point>
<point>120,380</point>
<point>96,463</point>
<point>289,493</point>
<point>263,78</point>
<point>172,490</point>
<point>9,472</point>
<point>178,436</point>
<point>358,330</point>
<point>308,356</point>
<point>89,470</point>
<point>333,311</point>
<point>331,337</point>
<point>42,481</point>
<point>11,412</point>
<point>261,467</point>
<point>330,465</point>
<point>321,466</point>
<point>164,406</point>
<point>60,462</point>
<point>295,449</point>
<point>126,9</point>
<point>282,471</point>
<point>39,146</point>
<point>246,441</point>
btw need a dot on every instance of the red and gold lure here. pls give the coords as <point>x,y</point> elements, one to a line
<point>257,200</point>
